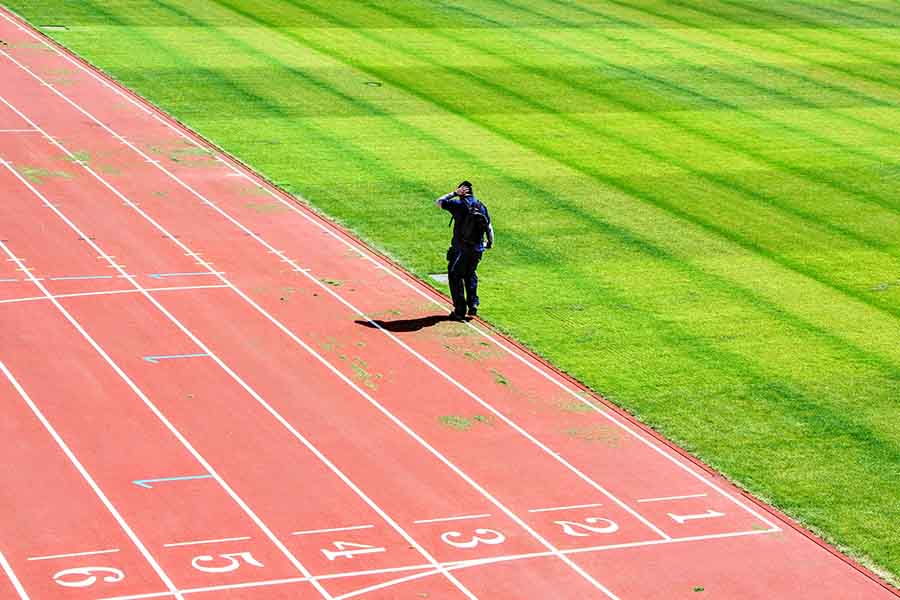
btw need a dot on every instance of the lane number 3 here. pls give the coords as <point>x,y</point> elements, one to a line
<point>482,536</point>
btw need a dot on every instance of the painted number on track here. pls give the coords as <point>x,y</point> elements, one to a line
<point>349,550</point>
<point>85,576</point>
<point>482,536</point>
<point>710,514</point>
<point>589,527</point>
<point>232,562</point>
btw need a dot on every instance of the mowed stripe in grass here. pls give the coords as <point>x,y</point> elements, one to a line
<point>697,203</point>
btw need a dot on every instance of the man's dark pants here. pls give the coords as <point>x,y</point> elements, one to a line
<point>461,265</point>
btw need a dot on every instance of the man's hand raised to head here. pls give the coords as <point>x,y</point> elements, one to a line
<point>462,191</point>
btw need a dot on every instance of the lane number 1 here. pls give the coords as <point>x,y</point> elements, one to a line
<point>710,514</point>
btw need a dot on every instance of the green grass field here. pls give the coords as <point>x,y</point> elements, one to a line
<point>697,202</point>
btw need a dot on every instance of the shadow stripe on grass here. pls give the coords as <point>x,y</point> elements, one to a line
<point>892,83</point>
<point>610,181</point>
<point>622,236</point>
<point>723,181</point>
<point>765,66</point>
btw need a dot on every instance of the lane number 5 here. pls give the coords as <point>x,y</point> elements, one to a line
<point>232,562</point>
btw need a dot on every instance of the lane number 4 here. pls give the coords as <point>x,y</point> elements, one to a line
<point>349,550</point>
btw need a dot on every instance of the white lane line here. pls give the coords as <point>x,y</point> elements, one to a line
<point>74,554</point>
<point>373,323</point>
<point>461,518</point>
<point>199,542</point>
<point>532,532</point>
<point>113,292</point>
<point>365,253</point>
<point>259,399</point>
<point>7,568</point>
<point>19,131</point>
<point>379,263</point>
<point>87,476</point>
<point>672,498</point>
<point>554,508</point>
<point>312,531</point>
<point>131,384</point>
<point>525,359</point>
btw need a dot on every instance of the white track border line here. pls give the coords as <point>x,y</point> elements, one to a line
<point>87,476</point>
<point>7,568</point>
<point>334,469</point>
<point>113,292</point>
<point>366,253</point>
<point>574,566</point>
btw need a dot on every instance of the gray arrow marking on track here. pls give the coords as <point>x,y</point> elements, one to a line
<point>145,483</point>
<point>155,359</point>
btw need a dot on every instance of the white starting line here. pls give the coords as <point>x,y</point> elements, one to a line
<point>111,293</point>
<point>428,570</point>
<point>200,542</point>
<point>92,553</point>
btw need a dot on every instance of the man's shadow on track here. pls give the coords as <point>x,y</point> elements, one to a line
<point>403,325</point>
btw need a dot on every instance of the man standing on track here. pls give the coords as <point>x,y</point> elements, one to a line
<point>471,224</point>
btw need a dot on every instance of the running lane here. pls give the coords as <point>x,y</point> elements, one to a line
<point>449,406</point>
<point>191,385</point>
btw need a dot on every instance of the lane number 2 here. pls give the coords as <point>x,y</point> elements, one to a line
<point>589,527</point>
<point>232,562</point>
<point>85,576</point>
<point>482,536</point>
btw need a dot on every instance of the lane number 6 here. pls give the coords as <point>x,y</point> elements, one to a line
<point>87,579</point>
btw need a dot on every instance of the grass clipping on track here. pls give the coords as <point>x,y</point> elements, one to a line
<point>697,204</point>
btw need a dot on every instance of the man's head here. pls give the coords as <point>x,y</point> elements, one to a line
<point>464,189</point>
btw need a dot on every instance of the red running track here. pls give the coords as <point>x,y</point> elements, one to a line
<point>210,392</point>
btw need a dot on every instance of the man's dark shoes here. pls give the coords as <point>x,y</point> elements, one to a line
<point>455,316</point>
<point>473,311</point>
